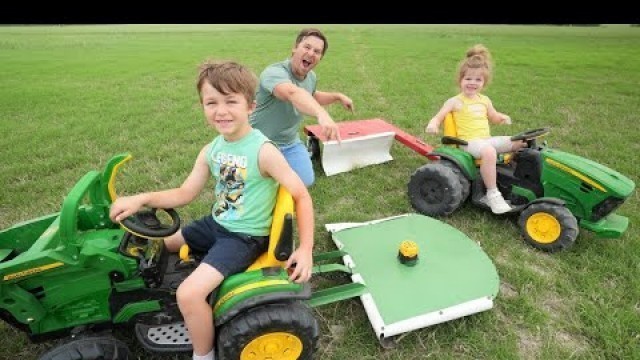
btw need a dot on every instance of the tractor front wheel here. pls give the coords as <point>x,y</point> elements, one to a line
<point>548,227</point>
<point>90,348</point>
<point>286,331</point>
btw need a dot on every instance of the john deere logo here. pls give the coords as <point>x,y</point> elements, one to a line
<point>32,271</point>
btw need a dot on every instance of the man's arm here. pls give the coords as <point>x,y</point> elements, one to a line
<point>328,98</point>
<point>307,104</point>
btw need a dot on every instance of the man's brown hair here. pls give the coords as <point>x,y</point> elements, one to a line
<point>313,32</point>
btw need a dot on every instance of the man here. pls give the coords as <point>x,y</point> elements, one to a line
<point>287,92</point>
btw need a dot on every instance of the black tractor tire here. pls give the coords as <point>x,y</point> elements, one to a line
<point>313,147</point>
<point>286,331</point>
<point>464,182</point>
<point>435,190</point>
<point>548,227</point>
<point>103,347</point>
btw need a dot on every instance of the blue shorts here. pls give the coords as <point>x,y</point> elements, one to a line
<point>298,158</point>
<point>227,252</point>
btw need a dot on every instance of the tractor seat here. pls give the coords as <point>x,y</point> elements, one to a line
<point>280,236</point>
<point>451,138</point>
<point>7,254</point>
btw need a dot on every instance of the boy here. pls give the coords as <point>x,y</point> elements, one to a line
<point>247,169</point>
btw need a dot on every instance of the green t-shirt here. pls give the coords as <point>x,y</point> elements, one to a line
<point>244,199</point>
<point>279,120</point>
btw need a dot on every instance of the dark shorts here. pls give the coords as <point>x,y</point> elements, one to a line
<point>227,252</point>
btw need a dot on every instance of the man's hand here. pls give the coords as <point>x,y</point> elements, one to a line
<point>506,120</point>
<point>346,102</point>
<point>329,127</point>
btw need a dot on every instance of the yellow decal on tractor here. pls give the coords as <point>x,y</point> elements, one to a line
<point>32,271</point>
<point>248,287</point>
<point>576,174</point>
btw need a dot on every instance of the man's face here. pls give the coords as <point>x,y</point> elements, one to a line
<point>306,55</point>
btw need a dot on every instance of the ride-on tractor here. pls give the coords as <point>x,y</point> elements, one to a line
<point>75,276</point>
<point>554,192</point>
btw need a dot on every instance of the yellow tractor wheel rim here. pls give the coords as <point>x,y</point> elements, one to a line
<point>543,228</point>
<point>273,346</point>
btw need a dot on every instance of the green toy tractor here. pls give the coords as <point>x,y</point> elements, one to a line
<point>555,193</point>
<point>75,275</point>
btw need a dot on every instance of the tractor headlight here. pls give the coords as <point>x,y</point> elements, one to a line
<point>605,207</point>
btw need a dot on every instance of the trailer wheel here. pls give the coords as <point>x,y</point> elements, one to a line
<point>286,331</point>
<point>548,227</point>
<point>435,190</point>
<point>90,348</point>
<point>313,147</point>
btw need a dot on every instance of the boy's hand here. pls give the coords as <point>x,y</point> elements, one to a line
<point>301,263</point>
<point>506,120</point>
<point>123,207</point>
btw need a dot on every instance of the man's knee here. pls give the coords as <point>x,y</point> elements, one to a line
<point>308,179</point>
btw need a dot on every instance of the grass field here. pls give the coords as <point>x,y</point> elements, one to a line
<point>73,96</point>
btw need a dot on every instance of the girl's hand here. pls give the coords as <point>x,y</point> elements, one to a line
<point>432,128</point>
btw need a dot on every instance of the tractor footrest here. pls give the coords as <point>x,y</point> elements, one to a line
<point>164,338</point>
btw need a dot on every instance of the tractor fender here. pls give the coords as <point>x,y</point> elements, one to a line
<point>550,200</point>
<point>276,296</point>
<point>461,158</point>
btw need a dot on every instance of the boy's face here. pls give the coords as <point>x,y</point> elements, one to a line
<point>306,56</point>
<point>228,114</point>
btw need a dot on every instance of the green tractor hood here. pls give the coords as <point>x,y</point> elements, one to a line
<point>591,191</point>
<point>590,172</point>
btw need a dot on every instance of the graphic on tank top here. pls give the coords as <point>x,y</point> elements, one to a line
<point>232,172</point>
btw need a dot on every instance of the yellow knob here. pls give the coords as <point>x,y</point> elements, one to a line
<point>409,248</point>
<point>408,253</point>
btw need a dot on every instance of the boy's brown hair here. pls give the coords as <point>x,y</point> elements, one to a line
<point>228,77</point>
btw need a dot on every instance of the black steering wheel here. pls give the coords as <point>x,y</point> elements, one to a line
<point>147,225</point>
<point>531,134</point>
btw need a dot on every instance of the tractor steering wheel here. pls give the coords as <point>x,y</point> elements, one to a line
<point>147,225</point>
<point>530,134</point>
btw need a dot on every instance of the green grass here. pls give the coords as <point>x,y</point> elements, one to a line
<point>73,96</point>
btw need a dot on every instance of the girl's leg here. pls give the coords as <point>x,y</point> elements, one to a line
<point>488,166</point>
<point>485,150</point>
<point>298,158</point>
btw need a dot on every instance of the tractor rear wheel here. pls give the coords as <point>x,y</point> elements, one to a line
<point>286,331</point>
<point>548,227</point>
<point>435,190</point>
<point>464,182</point>
<point>103,347</point>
